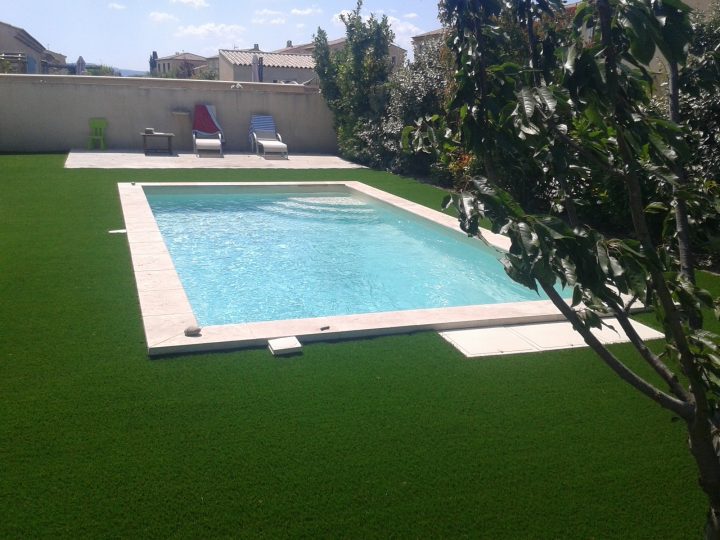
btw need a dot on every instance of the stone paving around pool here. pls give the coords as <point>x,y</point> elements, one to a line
<point>81,159</point>
<point>525,338</point>
<point>475,330</point>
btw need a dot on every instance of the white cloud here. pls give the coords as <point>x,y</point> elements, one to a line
<point>403,30</point>
<point>336,19</point>
<point>410,16</point>
<point>116,6</point>
<point>192,3</point>
<point>268,16</point>
<point>307,11</point>
<point>261,20</point>
<point>160,17</point>
<point>300,26</point>
<point>227,32</point>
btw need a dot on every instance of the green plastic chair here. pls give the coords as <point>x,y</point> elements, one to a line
<point>97,133</point>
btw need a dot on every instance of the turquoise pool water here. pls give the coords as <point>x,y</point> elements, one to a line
<point>251,254</point>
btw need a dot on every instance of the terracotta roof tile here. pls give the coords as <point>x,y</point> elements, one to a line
<point>244,58</point>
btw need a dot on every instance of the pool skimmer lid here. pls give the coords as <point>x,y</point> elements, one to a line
<point>284,345</point>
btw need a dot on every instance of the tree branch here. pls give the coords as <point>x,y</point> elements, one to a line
<point>651,358</point>
<point>681,408</point>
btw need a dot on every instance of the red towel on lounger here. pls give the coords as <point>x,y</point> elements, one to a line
<point>204,121</point>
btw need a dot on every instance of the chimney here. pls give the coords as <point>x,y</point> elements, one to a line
<point>256,47</point>
<point>289,43</point>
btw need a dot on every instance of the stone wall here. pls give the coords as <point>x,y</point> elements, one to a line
<point>46,113</point>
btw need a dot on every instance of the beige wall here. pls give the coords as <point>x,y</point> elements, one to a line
<point>45,113</point>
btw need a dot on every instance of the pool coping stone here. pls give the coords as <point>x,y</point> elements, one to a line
<point>166,310</point>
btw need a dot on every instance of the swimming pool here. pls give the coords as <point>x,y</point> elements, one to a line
<point>258,254</point>
<point>253,261</point>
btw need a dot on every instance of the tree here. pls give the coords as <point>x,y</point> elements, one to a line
<point>589,115</point>
<point>103,71</point>
<point>699,98</point>
<point>153,62</point>
<point>354,79</point>
<point>699,109</point>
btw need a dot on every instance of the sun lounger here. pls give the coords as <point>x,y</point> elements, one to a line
<point>265,138</point>
<point>207,133</point>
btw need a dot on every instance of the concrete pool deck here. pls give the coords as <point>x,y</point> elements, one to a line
<point>166,311</point>
<point>86,159</point>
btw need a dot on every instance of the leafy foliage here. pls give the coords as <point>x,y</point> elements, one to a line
<point>415,90</point>
<point>700,97</point>
<point>354,79</point>
<point>370,103</point>
<point>578,113</point>
<point>103,71</point>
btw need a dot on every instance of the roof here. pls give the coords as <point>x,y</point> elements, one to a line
<point>299,49</point>
<point>296,49</point>
<point>244,58</point>
<point>438,32</point>
<point>184,56</point>
<point>26,39</point>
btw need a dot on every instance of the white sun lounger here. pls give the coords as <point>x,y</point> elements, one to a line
<point>207,134</point>
<point>265,138</point>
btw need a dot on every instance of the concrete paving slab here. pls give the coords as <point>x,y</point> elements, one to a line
<point>549,336</point>
<point>488,341</point>
<point>81,159</point>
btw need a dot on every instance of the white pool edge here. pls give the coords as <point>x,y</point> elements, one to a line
<point>166,310</point>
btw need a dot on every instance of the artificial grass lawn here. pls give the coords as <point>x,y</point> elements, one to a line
<point>397,436</point>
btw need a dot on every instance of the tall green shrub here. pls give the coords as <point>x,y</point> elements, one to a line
<point>354,79</point>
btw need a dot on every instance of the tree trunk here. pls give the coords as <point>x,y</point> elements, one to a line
<point>687,266</point>
<point>532,42</point>
<point>703,438</point>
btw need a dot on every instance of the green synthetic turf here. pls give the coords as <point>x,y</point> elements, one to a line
<point>398,436</point>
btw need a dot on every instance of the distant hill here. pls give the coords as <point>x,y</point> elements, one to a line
<point>132,73</point>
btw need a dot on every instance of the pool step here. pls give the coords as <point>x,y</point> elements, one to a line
<point>284,345</point>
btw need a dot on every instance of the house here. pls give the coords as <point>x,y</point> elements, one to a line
<point>254,65</point>
<point>397,54</point>
<point>22,53</point>
<point>179,65</point>
<point>433,36</point>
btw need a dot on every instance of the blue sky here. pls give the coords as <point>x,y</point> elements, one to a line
<point>123,33</point>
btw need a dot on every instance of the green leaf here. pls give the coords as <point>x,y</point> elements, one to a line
<point>527,100</point>
<point>656,208</point>
<point>577,296</point>
<point>617,269</point>
<point>548,97</point>
<point>603,258</point>
<point>569,271</point>
<point>592,320</point>
<point>520,277</point>
<point>642,45</point>
<point>661,146</point>
<point>569,64</point>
